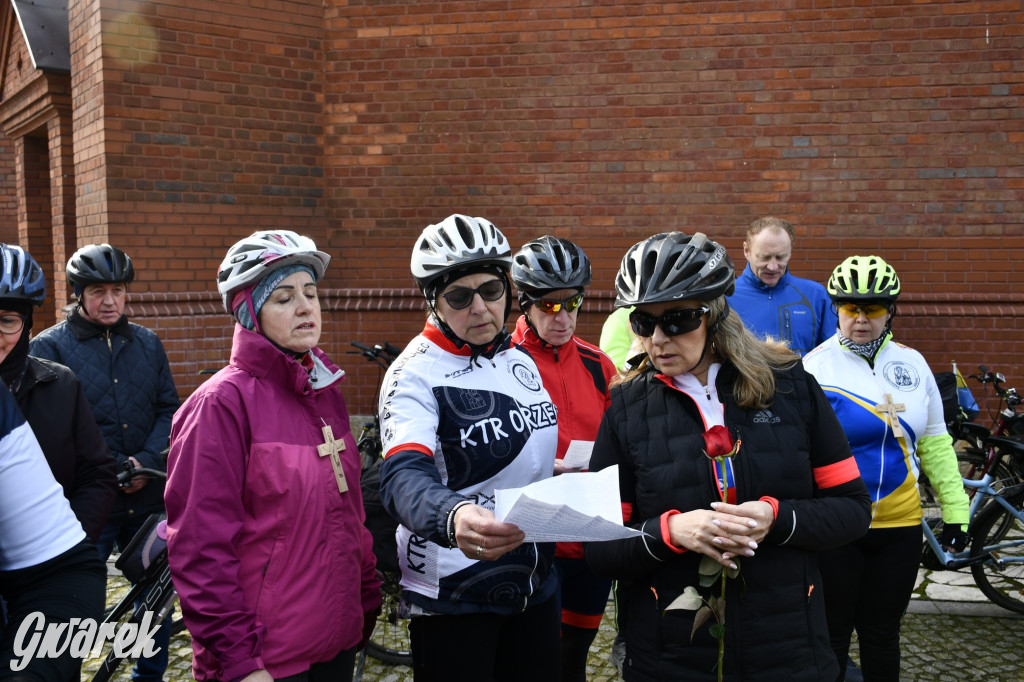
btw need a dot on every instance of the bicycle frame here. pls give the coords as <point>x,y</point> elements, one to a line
<point>954,560</point>
<point>159,600</point>
<point>155,588</point>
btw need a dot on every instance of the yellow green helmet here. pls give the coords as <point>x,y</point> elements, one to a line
<point>864,278</point>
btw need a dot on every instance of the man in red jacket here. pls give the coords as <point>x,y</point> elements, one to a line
<point>551,274</point>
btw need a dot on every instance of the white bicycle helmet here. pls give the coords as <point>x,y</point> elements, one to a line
<point>456,243</point>
<point>261,252</point>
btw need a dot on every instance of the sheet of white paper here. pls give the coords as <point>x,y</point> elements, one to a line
<point>582,507</point>
<point>577,455</point>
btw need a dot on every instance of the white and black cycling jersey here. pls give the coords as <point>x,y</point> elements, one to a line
<point>36,521</point>
<point>454,430</point>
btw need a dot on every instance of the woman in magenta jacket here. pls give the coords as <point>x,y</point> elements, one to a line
<point>265,520</point>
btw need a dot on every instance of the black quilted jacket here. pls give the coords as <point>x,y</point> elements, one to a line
<point>127,380</point>
<point>794,452</point>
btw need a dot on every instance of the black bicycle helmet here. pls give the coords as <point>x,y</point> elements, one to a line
<point>456,243</point>
<point>99,264</point>
<point>22,278</point>
<point>550,263</point>
<point>673,266</point>
<point>864,278</point>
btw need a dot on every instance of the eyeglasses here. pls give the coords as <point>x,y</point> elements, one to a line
<point>553,306</point>
<point>11,323</point>
<point>461,297</point>
<point>673,323</point>
<point>870,311</point>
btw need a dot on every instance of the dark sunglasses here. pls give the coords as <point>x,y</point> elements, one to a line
<point>552,306</point>
<point>460,297</point>
<point>673,323</point>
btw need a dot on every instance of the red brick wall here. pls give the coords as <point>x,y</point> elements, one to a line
<point>8,192</point>
<point>892,128</point>
<point>207,125</point>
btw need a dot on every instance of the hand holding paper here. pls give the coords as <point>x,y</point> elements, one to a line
<point>583,507</point>
<point>577,455</point>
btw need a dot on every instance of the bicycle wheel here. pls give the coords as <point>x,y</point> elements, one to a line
<point>390,640</point>
<point>998,532</point>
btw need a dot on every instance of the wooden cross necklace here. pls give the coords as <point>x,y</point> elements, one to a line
<point>331,448</point>
<point>890,410</point>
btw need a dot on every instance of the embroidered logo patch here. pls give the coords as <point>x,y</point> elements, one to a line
<point>901,376</point>
<point>525,376</point>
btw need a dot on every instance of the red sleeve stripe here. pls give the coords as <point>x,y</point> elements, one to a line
<point>410,446</point>
<point>774,505</point>
<point>836,474</point>
<point>627,512</point>
<point>581,620</point>
<point>666,536</point>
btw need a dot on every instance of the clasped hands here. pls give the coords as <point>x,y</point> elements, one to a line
<point>723,532</point>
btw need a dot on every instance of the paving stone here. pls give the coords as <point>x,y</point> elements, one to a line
<point>959,640</point>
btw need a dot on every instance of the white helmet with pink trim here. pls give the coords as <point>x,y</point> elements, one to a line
<point>250,259</point>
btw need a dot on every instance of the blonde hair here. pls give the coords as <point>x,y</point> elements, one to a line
<point>754,359</point>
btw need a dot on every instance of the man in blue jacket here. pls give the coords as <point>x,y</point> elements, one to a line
<point>127,379</point>
<point>774,302</point>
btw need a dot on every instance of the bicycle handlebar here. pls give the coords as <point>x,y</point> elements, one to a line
<point>997,379</point>
<point>1009,395</point>
<point>129,471</point>
<point>382,355</point>
<point>989,377</point>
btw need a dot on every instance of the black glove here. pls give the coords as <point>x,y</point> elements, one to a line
<point>369,623</point>
<point>953,538</point>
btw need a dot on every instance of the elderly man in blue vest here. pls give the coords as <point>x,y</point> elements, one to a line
<point>772,301</point>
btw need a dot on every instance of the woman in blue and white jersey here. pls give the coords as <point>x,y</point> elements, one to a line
<point>463,413</point>
<point>885,396</point>
<point>49,572</point>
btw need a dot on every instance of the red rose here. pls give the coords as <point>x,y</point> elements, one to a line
<point>718,442</point>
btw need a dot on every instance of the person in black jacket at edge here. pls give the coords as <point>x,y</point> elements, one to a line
<point>127,378</point>
<point>783,484</point>
<point>52,399</point>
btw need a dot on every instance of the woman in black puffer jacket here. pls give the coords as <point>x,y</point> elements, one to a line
<point>783,487</point>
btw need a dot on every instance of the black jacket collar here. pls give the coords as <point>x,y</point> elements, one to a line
<point>86,329</point>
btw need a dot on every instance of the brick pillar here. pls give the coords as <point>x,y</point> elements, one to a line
<point>62,189</point>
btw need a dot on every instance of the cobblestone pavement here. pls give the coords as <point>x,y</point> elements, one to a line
<point>951,633</point>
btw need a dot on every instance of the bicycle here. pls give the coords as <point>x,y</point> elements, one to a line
<point>997,450</point>
<point>369,438</point>
<point>1007,421</point>
<point>144,563</point>
<point>995,555</point>
<point>389,642</point>
<point>1005,433</point>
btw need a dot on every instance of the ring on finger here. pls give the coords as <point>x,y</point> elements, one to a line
<point>479,552</point>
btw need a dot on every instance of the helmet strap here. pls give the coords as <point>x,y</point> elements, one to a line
<point>703,354</point>
<point>486,350</point>
<point>709,338</point>
<point>252,307</point>
<point>529,323</point>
